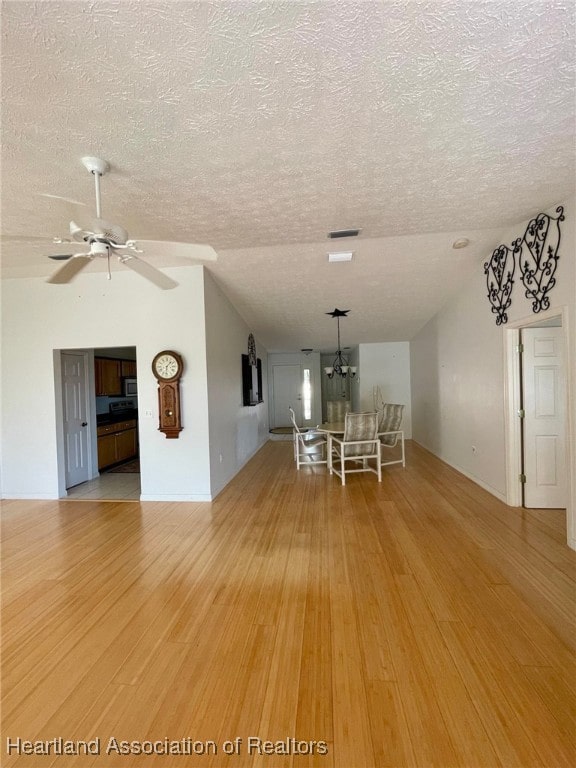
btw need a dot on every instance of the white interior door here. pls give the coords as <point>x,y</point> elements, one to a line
<point>75,418</point>
<point>544,404</point>
<point>287,383</point>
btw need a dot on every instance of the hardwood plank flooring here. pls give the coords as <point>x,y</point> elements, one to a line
<point>418,622</point>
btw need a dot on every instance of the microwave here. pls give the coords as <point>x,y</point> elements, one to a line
<point>130,387</point>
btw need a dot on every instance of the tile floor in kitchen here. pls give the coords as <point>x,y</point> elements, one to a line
<point>110,485</point>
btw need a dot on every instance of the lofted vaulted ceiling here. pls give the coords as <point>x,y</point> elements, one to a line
<point>258,127</point>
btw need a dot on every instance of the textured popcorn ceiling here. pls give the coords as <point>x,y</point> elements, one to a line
<point>258,127</point>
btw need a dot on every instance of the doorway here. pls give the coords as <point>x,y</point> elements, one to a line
<point>543,394</point>
<point>287,384</point>
<point>537,424</point>
<point>294,381</point>
<point>98,427</point>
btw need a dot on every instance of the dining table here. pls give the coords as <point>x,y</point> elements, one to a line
<point>330,428</point>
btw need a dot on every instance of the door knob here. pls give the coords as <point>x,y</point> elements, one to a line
<point>84,423</point>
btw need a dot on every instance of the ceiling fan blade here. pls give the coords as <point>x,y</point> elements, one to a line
<point>71,268</point>
<point>67,200</point>
<point>148,271</point>
<point>194,252</point>
<point>32,239</point>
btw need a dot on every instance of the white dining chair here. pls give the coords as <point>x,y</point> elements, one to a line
<point>337,409</point>
<point>390,434</point>
<point>309,446</point>
<point>357,446</point>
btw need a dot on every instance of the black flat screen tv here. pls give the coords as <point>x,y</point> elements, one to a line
<point>251,382</point>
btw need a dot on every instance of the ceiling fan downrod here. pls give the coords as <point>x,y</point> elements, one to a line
<point>98,168</point>
<point>97,189</point>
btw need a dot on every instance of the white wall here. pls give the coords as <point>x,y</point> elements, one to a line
<point>236,431</point>
<point>386,365</point>
<point>194,319</point>
<point>458,388</point>
<point>94,312</point>
<point>458,371</point>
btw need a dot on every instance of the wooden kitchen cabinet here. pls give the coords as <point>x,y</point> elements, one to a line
<point>117,442</point>
<point>128,367</point>
<point>126,444</point>
<point>108,376</point>
<point>106,451</point>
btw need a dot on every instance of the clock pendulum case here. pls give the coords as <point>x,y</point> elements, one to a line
<point>167,367</point>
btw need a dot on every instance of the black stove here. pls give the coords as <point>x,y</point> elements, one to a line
<point>118,411</point>
<point>121,407</point>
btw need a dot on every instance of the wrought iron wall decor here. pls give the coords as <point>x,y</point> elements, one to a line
<point>499,272</point>
<point>251,349</point>
<point>537,255</point>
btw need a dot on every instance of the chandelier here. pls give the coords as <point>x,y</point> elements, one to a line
<point>340,364</point>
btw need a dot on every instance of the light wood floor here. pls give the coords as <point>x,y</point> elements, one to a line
<point>419,622</point>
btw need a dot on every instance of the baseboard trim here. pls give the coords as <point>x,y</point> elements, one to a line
<point>490,489</point>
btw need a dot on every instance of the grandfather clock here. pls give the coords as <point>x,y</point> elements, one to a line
<point>167,367</point>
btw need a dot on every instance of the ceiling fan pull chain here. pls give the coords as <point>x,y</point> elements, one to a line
<point>109,275</point>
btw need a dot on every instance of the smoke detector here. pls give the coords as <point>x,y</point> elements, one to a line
<point>341,256</point>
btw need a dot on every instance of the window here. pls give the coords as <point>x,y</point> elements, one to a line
<point>306,395</point>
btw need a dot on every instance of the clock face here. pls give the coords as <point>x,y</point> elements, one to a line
<point>166,366</point>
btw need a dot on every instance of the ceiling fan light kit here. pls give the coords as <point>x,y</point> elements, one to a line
<point>107,239</point>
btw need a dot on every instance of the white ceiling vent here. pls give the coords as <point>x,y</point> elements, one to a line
<point>336,233</point>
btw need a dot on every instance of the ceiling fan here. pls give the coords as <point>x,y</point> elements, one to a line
<point>105,239</point>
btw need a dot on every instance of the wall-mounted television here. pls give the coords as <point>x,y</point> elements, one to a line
<point>251,382</point>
